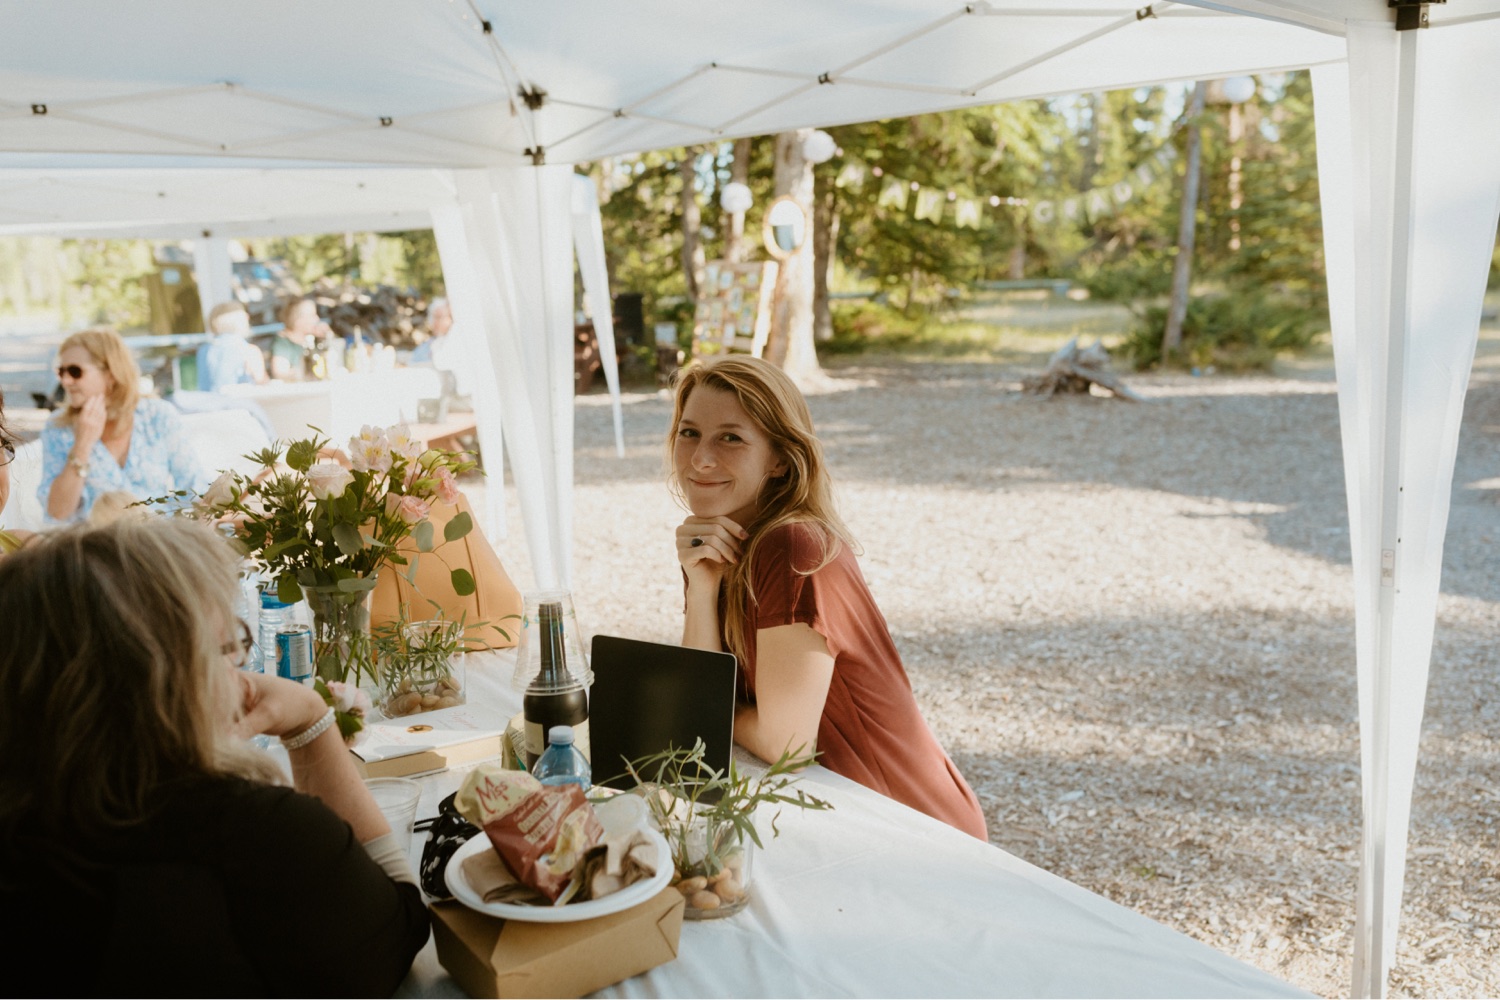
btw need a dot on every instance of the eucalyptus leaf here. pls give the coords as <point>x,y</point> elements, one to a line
<point>463,582</point>
<point>355,584</point>
<point>457,528</point>
<point>422,535</point>
<point>288,591</point>
<point>346,537</point>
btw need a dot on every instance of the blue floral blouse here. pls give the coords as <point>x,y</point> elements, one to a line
<point>160,460</point>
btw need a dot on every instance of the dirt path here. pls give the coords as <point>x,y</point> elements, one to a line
<point>1132,627</point>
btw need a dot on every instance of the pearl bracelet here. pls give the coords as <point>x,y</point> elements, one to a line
<point>309,734</point>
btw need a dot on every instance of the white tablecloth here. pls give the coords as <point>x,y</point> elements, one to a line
<point>875,899</point>
<point>341,406</point>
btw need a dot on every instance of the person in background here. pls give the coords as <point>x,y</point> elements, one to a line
<point>301,330</point>
<point>9,540</point>
<point>107,437</point>
<point>137,821</point>
<point>441,350</point>
<point>229,358</point>
<point>771,577</point>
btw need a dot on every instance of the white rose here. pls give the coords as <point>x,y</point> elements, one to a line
<point>220,492</point>
<point>328,479</point>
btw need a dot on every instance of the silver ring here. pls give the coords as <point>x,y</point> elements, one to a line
<point>697,541</point>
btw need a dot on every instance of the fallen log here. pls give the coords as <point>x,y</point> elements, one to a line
<point>1075,370</point>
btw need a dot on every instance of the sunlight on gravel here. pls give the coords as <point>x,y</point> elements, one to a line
<point>1132,627</point>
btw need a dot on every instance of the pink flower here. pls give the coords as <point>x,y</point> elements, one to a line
<point>412,509</point>
<point>369,450</point>
<point>401,442</point>
<point>349,699</point>
<point>447,486</point>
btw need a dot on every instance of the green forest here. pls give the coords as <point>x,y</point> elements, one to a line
<point>920,213</point>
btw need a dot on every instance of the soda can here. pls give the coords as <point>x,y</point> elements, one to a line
<point>294,656</point>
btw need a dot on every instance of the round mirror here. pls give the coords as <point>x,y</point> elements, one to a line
<point>785,227</point>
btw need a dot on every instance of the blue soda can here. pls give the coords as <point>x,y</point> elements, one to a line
<point>294,658</point>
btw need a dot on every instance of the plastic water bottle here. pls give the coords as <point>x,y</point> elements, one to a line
<point>562,762</point>
<point>273,615</point>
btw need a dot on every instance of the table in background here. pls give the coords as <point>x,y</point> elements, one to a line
<point>341,406</point>
<point>876,899</point>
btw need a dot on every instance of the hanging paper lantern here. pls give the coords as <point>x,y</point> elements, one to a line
<point>819,147</point>
<point>1239,89</point>
<point>736,198</point>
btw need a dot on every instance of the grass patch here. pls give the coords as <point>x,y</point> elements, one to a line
<point>991,327</point>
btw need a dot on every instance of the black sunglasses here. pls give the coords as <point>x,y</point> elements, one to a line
<point>245,643</point>
<point>74,372</point>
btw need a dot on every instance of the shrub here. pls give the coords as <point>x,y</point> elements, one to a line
<point>1234,332</point>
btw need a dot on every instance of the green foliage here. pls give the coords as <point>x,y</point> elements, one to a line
<point>975,152</point>
<point>1241,332</point>
<point>684,791</point>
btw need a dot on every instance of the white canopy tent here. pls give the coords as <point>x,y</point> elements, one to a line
<point>460,100</point>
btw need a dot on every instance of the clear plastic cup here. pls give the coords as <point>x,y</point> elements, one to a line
<point>397,799</point>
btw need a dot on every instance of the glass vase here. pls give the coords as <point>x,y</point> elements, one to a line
<point>426,670</point>
<point>713,861</point>
<point>341,636</point>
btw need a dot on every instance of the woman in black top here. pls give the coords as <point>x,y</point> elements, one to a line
<point>151,850</point>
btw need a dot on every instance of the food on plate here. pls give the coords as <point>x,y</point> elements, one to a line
<point>550,845</point>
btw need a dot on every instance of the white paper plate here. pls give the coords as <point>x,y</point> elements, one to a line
<point>627,897</point>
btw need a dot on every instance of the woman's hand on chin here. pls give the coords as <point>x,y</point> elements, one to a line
<point>707,546</point>
<point>275,706</point>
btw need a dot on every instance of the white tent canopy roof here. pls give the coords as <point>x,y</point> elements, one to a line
<point>350,114</point>
<point>396,82</point>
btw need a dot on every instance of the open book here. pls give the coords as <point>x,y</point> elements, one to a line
<point>429,741</point>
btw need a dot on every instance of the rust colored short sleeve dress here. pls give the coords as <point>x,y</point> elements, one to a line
<point>872,730</point>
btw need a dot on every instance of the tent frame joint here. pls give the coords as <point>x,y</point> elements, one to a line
<point>1411,15</point>
<point>538,155</point>
<point>533,97</point>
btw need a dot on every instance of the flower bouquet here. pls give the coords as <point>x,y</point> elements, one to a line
<point>322,530</point>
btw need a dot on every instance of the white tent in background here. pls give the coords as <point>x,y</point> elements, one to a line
<point>462,100</point>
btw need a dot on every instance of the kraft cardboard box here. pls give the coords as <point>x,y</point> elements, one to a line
<point>491,957</point>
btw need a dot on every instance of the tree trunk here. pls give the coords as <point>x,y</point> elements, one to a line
<point>1017,269</point>
<point>825,237</point>
<point>1182,267</point>
<point>790,344</point>
<point>739,171</point>
<point>692,220</point>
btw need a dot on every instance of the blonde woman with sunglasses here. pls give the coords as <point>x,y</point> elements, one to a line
<point>108,438</point>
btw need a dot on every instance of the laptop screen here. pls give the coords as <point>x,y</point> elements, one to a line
<point>648,697</point>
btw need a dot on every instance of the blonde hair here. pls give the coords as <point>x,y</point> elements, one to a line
<point>110,353</point>
<point>225,309</point>
<point>803,494</point>
<point>114,678</point>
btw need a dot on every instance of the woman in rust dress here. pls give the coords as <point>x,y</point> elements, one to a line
<point>772,577</point>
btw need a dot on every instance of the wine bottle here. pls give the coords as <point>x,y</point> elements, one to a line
<point>554,697</point>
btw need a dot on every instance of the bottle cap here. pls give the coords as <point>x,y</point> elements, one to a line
<point>560,735</point>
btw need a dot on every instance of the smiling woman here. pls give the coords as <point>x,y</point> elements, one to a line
<point>771,576</point>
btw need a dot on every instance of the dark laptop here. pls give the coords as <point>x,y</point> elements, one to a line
<point>648,697</point>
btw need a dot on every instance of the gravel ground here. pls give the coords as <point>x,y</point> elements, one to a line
<point>1132,627</point>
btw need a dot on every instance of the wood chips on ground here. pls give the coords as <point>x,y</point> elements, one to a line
<point>1132,628</point>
